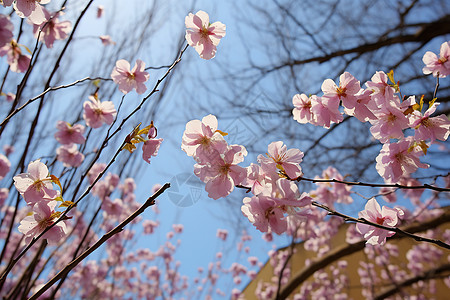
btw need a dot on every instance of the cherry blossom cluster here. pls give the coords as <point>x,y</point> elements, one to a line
<point>381,105</point>
<point>217,166</point>
<point>275,196</point>
<point>217,162</point>
<point>276,205</point>
<point>69,136</point>
<point>46,26</point>
<point>37,188</point>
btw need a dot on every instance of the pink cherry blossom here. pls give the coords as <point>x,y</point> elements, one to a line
<point>43,216</point>
<point>202,35</point>
<point>364,106</point>
<point>325,111</point>
<point>6,30</point>
<point>10,97</point>
<point>438,66</point>
<point>279,157</point>
<point>51,28</point>
<point>128,80</point>
<point>398,160</point>
<point>264,214</point>
<point>426,127</point>
<point>69,155</point>
<point>68,134</point>
<point>302,109</point>
<point>31,9</point>
<point>96,113</point>
<point>222,174</point>
<point>202,140</point>
<point>5,165</point>
<point>373,213</point>
<point>390,122</point>
<point>348,87</point>
<point>150,148</point>
<point>36,184</point>
<point>17,61</point>
<point>106,40</point>
<point>381,90</point>
<point>100,11</point>
<point>222,234</point>
<point>256,179</point>
<point>267,210</point>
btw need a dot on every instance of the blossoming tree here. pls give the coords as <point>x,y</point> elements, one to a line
<point>69,174</point>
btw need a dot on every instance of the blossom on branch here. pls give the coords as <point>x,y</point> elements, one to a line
<point>68,134</point>
<point>426,127</point>
<point>222,173</point>
<point>43,216</point>
<point>30,9</point>
<point>438,66</point>
<point>279,157</point>
<point>202,35</point>
<point>302,109</point>
<point>202,139</point>
<point>348,87</point>
<point>36,184</point>
<point>399,159</point>
<point>383,216</point>
<point>325,110</point>
<point>267,210</point>
<point>150,148</point>
<point>390,122</point>
<point>51,28</point>
<point>69,155</point>
<point>96,113</point>
<point>130,79</point>
<point>6,30</point>
<point>17,61</point>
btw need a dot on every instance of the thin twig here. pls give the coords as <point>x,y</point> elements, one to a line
<point>13,113</point>
<point>347,218</point>
<point>393,185</point>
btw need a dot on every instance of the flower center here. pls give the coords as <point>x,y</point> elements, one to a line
<point>131,76</point>
<point>391,117</point>
<point>341,91</point>
<point>426,122</point>
<point>442,60</point>
<point>380,221</point>
<point>224,169</point>
<point>204,32</point>
<point>204,140</point>
<point>98,112</point>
